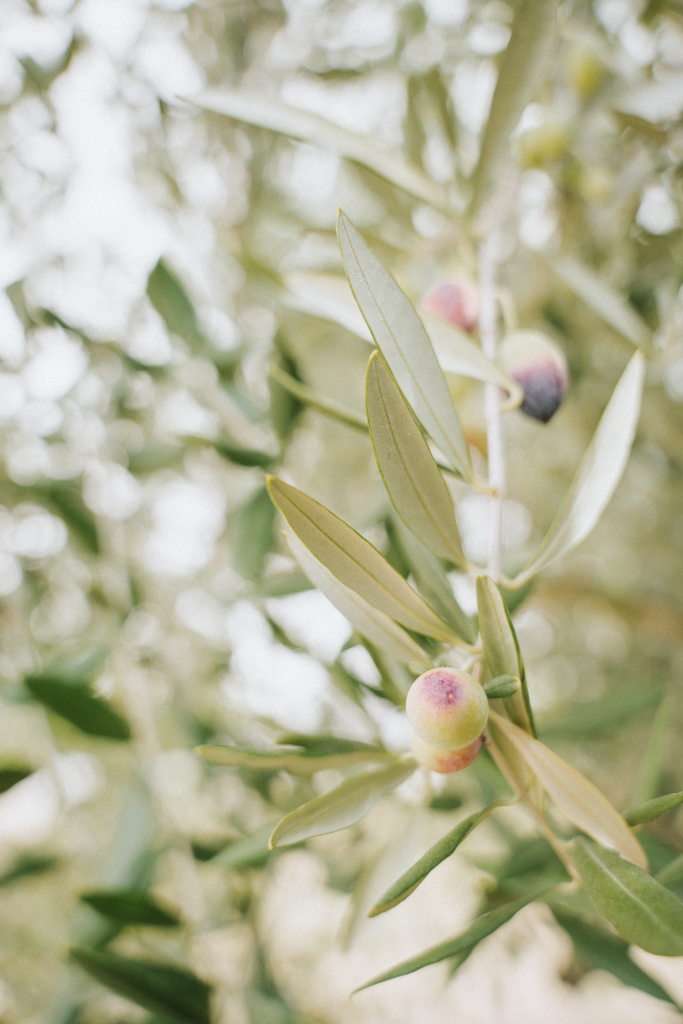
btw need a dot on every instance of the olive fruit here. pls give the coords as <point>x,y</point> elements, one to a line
<point>446,708</point>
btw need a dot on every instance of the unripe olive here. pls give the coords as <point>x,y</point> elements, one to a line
<point>539,367</point>
<point>447,709</point>
<point>455,301</point>
<point>444,761</point>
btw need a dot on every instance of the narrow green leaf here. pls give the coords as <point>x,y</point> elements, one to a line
<point>25,867</point>
<point>370,623</point>
<point>533,31</point>
<point>609,305</point>
<point>253,534</point>
<point>10,776</point>
<point>305,762</point>
<point>285,406</point>
<point>411,476</point>
<point>250,851</point>
<point>341,806</point>
<point>66,499</point>
<point>573,794</point>
<point>598,474</point>
<point>355,562</point>
<point>245,456</point>
<point>653,756</point>
<point>639,907</point>
<point>672,874</point>
<point>606,952</point>
<point>176,994</point>
<point>326,296</point>
<point>595,716</point>
<point>652,809</point>
<point>410,880</point>
<point>401,338</point>
<point>432,582</point>
<point>130,907</point>
<point>501,686</point>
<point>502,650</point>
<point>300,124</point>
<point>171,301</point>
<point>327,744</point>
<point>464,943</point>
<point>155,456</point>
<point>307,396</point>
<point>75,703</point>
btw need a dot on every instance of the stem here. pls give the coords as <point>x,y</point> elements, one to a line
<point>488,332</point>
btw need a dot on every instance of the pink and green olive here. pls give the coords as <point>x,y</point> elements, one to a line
<point>446,708</point>
<point>444,761</point>
<point>455,301</point>
<point>539,367</point>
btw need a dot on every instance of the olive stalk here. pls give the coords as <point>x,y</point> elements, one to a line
<point>488,332</point>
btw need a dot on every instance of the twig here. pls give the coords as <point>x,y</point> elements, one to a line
<point>488,325</point>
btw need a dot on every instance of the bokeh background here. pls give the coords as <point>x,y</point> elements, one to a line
<point>158,260</point>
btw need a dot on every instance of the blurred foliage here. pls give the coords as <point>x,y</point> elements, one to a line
<point>158,260</point>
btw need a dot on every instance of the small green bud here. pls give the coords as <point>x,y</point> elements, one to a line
<point>455,301</point>
<point>447,709</point>
<point>444,761</point>
<point>540,368</point>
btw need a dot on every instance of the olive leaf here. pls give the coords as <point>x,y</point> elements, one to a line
<point>609,305</point>
<point>501,686</point>
<point>300,124</point>
<point>437,853</point>
<point>297,762</point>
<point>576,797</point>
<point>130,907</point>
<point>598,474</point>
<point>502,650</point>
<point>368,621</point>
<point>533,30</point>
<point>355,562</point>
<point>461,944</point>
<point>171,301</point>
<point>401,338</point>
<point>411,476</point>
<point>341,806</point>
<point>639,907</point>
<point>652,809</point>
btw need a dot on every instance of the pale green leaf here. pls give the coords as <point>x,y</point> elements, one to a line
<point>609,305</point>
<point>639,907</point>
<point>301,124</point>
<point>533,31</point>
<point>410,880</point>
<point>652,809</point>
<point>501,686</point>
<point>403,341</point>
<point>341,806</point>
<point>327,406</point>
<point>654,753</point>
<point>463,943</point>
<point>672,874</point>
<point>574,795</point>
<point>355,562</point>
<point>502,650</point>
<point>458,354</point>
<point>368,621</point>
<point>295,761</point>
<point>598,474</point>
<point>411,476</point>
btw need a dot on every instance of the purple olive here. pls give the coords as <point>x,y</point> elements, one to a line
<point>540,368</point>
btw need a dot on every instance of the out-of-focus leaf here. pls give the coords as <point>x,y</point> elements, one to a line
<point>253,534</point>
<point>515,598</point>
<point>16,295</point>
<point>341,806</point>
<point>285,406</point>
<point>67,501</point>
<point>463,943</point>
<point>652,809</point>
<point>355,562</point>
<point>403,341</point>
<point>458,354</point>
<point>574,795</point>
<point>129,906</point>
<point>652,760</point>
<point>324,744</point>
<point>24,867</point>
<point>599,473</point>
<point>603,300</point>
<point>656,102</point>
<point>297,762</point>
<point>300,124</point>
<point>639,907</point>
<point>432,582</point>
<point>10,776</point>
<point>606,952</point>
<point>596,716</point>
<point>533,32</point>
<point>155,456</point>
<point>672,874</point>
<point>171,301</point>
<point>248,852</point>
<point>410,474</point>
<point>410,880</point>
<point>326,296</point>
<point>307,396</point>
<point>245,456</point>
<point>76,703</point>
<point>501,686</point>
<point>369,622</point>
<point>282,584</point>
<point>502,650</point>
<point>176,994</point>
